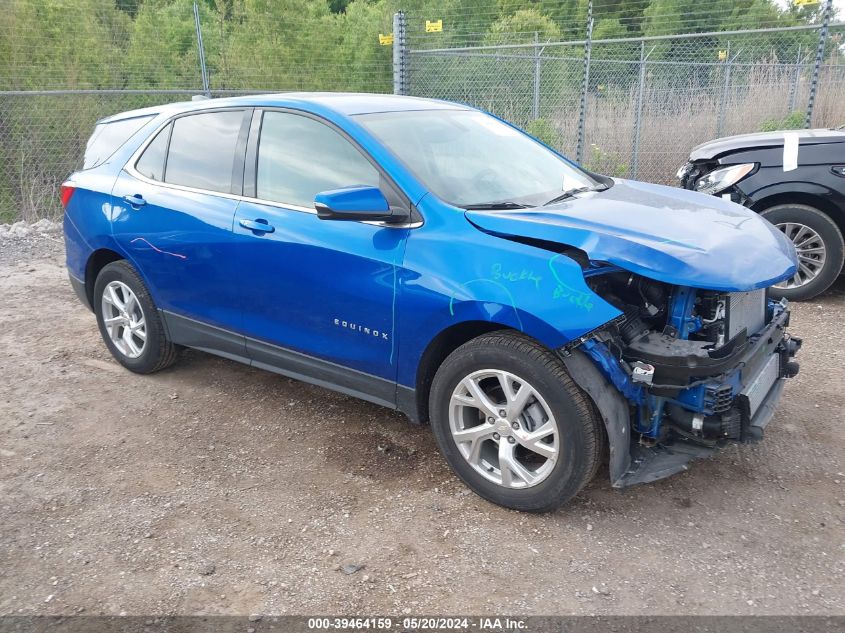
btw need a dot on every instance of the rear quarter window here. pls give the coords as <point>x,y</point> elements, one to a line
<point>109,137</point>
<point>202,150</point>
<point>152,161</point>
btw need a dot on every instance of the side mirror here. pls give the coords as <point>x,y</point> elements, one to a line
<point>359,203</point>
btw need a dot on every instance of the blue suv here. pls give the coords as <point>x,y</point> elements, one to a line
<point>434,259</point>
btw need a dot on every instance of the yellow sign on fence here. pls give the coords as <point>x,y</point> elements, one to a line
<point>385,40</point>
<point>723,55</point>
<point>433,26</point>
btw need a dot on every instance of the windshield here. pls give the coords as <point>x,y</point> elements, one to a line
<point>468,158</point>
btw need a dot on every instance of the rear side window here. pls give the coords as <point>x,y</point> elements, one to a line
<point>108,137</point>
<point>299,157</point>
<point>151,163</point>
<point>202,150</point>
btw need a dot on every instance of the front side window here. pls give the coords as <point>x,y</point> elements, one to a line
<point>299,157</point>
<point>202,150</point>
<point>466,157</point>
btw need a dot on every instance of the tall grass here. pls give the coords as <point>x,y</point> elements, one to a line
<point>675,121</point>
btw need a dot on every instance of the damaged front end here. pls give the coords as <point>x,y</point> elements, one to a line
<point>693,369</point>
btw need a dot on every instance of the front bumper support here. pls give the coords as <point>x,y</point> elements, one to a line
<point>650,463</point>
<point>633,463</point>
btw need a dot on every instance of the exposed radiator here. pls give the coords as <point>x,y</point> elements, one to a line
<point>759,388</point>
<point>746,310</point>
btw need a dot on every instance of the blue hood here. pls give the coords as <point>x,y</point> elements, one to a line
<point>671,235</point>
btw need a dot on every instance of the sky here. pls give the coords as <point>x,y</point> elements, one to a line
<point>840,4</point>
<point>837,4</point>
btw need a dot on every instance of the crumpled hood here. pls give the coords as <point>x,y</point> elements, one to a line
<point>671,235</point>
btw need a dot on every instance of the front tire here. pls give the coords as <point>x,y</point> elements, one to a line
<point>513,425</point>
<point>129,322</point>
<point>820,247</point>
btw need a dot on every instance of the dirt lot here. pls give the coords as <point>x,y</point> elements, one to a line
<point>216,488</point>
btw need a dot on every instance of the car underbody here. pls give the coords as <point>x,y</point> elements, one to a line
<point>692,369</point>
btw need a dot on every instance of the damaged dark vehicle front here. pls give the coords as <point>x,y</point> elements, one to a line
<point>796,180</point>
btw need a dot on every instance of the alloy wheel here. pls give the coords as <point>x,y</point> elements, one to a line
<point>124,319</point>
<point>503,428</point>
<point>811,254</point>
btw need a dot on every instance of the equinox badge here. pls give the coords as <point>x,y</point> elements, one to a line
<point>349,325</point>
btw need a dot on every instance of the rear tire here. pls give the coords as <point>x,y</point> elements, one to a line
<point>547,445</point>
<point>129,321</point>
<point>820,237</point>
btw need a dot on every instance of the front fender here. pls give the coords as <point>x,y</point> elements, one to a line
<point>454,273</point>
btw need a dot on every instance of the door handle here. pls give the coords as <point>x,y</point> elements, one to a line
<point>136,201</point>
<point>259,225</point>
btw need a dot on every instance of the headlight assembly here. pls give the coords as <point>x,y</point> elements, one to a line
<point>722,178</point>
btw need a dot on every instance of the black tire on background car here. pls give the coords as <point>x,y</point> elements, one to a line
<point>820,248</point>
<point>513,425</point>
<point>129,322</point>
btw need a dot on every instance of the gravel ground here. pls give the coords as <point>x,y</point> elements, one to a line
<point>214,488</point>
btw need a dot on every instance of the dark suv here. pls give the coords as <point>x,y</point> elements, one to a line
<point>796,180</point>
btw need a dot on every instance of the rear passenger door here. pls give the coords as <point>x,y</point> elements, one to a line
<point>318,295</point>
<point>174,204</point>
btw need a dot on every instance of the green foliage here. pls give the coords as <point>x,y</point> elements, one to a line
<point>326,44</point>
<point>606,162</point>
<point>609,28</point>
<point>570,14</point>
<point>520,27</point>
<point>333,45</point>
<point>60,44</point>
<point>545,131</point>
<point>164,29</point>
<point>721,15</point>
<point>793,121</point>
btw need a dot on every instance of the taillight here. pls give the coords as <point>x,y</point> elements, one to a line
<point>65,192</point>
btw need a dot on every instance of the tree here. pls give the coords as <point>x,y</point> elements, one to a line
<point>521,26</point>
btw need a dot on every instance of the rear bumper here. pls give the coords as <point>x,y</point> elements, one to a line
<point>79,288</point>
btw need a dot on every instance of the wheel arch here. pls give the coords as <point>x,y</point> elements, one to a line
<point>816,199</point>
<point>443,344</point>
<point>98,260</point>
<point>612,407</point>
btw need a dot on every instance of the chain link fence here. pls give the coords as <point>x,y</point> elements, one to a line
<point>644,104</point>
<point>64,64</point>
<point>647,101</point>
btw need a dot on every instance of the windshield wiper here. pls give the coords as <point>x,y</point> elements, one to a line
<point>569,193</point>
<point>492,206</point>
